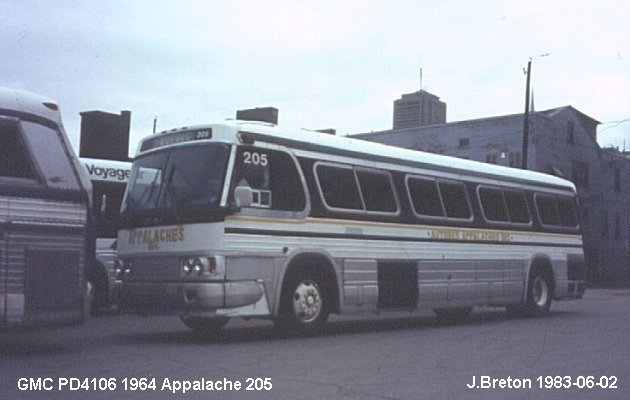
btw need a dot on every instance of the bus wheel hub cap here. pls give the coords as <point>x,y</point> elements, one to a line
<point>307,301</point>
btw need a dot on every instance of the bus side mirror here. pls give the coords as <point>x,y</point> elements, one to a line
<point>243,196</point>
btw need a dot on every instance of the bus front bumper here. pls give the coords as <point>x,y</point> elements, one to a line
<point>231,299</point>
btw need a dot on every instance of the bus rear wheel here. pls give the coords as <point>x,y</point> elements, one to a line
<point>205,325</point>
<point>304,305</point>
<point>539,294</point>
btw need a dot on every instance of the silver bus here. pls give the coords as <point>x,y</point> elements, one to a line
<point>246,219</point>
<point>109,179</point>
<point>44,206</point>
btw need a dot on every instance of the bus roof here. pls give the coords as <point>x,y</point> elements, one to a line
<point>21,102</point>
<point>304,139</point>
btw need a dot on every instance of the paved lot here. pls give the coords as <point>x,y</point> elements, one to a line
<point>386,358</point>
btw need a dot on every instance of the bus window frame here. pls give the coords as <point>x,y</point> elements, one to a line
<point>392,186</point>
<point>257,211</point>
<point>575,204</point>
<point>71,175</point>
<point>444,218</point>
<point>470,208</point>
<point>353,168</point>
<point>327,206</point>
<point>38,181</point>
<point>560,228</point>
<point>527,205</point>
<point>503,190</point>
<point>409,177</point>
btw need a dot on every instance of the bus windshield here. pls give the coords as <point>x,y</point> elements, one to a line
<point>176,185</point>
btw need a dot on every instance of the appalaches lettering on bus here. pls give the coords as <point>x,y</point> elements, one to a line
<point>153,237</point>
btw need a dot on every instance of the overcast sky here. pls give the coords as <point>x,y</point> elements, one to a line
<point>323,64</point>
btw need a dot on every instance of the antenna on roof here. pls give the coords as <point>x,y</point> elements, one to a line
<point>420,78</point>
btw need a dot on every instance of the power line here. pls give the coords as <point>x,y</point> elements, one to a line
<point>616,124</point>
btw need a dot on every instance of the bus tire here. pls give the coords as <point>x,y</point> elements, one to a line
<point>99,296</point>
<point>205,325</point>
<point>539,293</point>
<point>88,300</point>
<point>305,303</point>
<point>454,314</point>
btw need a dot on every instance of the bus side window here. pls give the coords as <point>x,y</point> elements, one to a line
<point>286,186</point>
<point>425,197</point>
<point>455,200</point>
<point>568,212</point>
<point>51,155</point>
<point>517,207</point>
<point>547,210</point>
<point>273,176</point>
<point>493,204</point>
<point>377,190</point>
<point>339,187</point>
<point>14,158</point>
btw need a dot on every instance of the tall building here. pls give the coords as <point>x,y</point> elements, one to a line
<point>418,109</point>
<point>563,142</point>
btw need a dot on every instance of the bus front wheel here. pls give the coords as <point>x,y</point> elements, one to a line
<point>304,306</point>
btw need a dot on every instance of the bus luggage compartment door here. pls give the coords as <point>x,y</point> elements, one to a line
<point>397,284</point>
<point>45,270</point>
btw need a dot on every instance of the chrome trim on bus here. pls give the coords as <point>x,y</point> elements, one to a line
<point>228,176</point>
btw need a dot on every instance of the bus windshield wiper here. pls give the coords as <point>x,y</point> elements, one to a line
<point>171,192</point>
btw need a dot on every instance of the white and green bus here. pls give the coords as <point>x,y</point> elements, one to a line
<point>247,219</point>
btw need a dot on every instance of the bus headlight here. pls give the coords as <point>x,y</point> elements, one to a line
<point>121,268</point>
<point>200,266</point>
<point>118,268</point>
<point>187,266</point>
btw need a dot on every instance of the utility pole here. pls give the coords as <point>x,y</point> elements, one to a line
<point>526,117</point>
